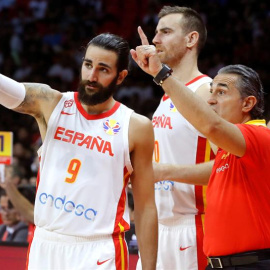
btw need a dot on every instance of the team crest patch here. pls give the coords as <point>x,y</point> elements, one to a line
<point>68,103</point>
<point>111,127</point>
<point>172,107</point>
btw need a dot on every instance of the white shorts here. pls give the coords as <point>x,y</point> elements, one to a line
<point>54,251</point>
<point>180,244</point>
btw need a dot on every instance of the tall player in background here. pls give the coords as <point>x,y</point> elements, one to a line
<point>180,36</point>
<point>92,145</point>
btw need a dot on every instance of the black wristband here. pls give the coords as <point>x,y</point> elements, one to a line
<point>164,73</point>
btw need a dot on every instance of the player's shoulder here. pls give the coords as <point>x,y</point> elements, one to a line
<point>140,130</point>
<point>139,121</point>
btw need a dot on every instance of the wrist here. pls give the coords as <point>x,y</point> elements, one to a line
<point>163,74</point>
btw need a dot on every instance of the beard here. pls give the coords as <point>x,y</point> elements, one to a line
<point>98,95</point>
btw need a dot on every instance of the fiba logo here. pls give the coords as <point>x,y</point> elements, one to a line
<point>111,127</point>
<point>68,103</point>
<point>172,107</point>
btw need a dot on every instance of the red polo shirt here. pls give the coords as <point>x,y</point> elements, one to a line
<point>238,196</point>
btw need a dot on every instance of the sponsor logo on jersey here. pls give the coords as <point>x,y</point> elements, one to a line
<point>68,103</point>
<point>162,122</point>
<point>164,185</point>
<point>68,206</point>
<point>172,107</point>
<point>83,140</point>
<point>111,127</point>
<point>222,168</point>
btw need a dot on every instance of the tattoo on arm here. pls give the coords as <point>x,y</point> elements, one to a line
<point>36,93</point>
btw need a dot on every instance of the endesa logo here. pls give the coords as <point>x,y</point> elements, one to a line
<point>164,185</point>
<point>62,203</point>
<point>222,168</point>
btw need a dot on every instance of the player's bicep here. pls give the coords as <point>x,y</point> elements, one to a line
<point>39,99</point>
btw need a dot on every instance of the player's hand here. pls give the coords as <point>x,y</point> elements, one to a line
<point>146,56</point>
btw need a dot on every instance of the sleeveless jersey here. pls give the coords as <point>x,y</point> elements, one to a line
<point>178,142</point>
<point>84,171</point>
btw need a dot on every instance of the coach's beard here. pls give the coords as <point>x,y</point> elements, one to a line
<point>98,95</point>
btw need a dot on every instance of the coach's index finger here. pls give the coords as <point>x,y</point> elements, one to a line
<point>143,37</point>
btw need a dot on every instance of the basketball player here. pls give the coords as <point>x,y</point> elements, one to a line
<point>180,36</point>
<point>92,146</point>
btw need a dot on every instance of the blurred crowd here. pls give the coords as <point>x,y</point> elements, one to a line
<point>43,41</point>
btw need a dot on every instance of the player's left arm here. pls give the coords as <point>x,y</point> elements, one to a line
<point>141,138</point>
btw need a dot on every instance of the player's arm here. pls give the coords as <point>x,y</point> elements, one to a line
<point>141,140</point>
<point>219,131</point>
<point>35,99</point>
<point>198,174</point>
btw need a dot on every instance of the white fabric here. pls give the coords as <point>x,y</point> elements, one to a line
<point>177,144</point>
<point>88,206</point>
<point>51,250</point>
<point>12,93</point>
<point>180,250</point>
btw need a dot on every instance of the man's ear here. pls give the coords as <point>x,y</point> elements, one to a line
<point>248,104</point>
<point>192,39</point>
<point>122,75</point>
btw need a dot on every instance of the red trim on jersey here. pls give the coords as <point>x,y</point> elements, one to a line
<point>29,246</point>
<point>120,226</point>
<point>200,157</point>
<point>196,79</point>
<point>31,229</point>
<point>95,116</point>
<point>165,97</point>
<point>38,179</point>
<point>121,252</point>
<point>201,258</point>
<point>204,154</point>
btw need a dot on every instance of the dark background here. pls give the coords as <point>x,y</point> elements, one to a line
<point>42,41</point>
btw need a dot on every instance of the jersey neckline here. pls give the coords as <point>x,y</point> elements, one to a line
<point>188,83</point>
<point>95,116</point>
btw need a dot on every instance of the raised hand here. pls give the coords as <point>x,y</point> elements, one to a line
<point>146,56</point>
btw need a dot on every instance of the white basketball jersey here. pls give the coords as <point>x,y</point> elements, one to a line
<point>84,170</point>
<point>178,142</point>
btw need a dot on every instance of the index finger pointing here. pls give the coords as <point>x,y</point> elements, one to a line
<point>143,37</point>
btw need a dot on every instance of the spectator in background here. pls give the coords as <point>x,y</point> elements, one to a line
<point>12,229</point>
<point>22,197</point>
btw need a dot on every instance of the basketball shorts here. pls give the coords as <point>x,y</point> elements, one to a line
<point>179,245</point>
<point>54,251</point>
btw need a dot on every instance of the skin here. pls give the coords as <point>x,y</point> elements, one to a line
<point>99,65</point>
<point>218,126</point>
<point>177,49</point>
<point>10,217</point>
<point>21,204</point>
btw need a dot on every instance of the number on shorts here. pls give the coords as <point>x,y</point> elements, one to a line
<point>73,169</point>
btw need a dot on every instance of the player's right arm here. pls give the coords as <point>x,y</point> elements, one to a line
<point>198,174</point>
<point>34,99</point>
